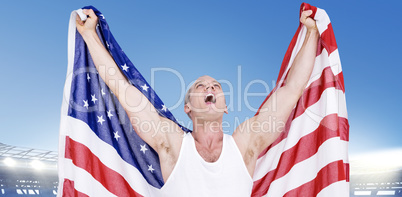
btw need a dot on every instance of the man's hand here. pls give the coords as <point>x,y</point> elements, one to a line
<point>87,27</point>
<point>307,21</point>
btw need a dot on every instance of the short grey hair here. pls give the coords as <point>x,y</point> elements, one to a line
<point>187,97</point>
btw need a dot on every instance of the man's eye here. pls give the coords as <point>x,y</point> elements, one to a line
<point>199,85</point>
<point>217,86</point>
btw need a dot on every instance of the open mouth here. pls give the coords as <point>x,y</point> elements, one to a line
<point>210,98</point>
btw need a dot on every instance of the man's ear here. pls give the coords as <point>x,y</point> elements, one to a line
<point>187,108</point>
<point>226,110</point>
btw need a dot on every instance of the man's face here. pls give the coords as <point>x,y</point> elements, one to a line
<point>207,100</point>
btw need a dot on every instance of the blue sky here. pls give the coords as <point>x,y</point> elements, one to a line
<point>196,38</point>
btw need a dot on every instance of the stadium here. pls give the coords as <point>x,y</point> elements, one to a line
<point>377,184</point>
<point>376,174</point>
<point>33,172</point>
<point>27,172</point>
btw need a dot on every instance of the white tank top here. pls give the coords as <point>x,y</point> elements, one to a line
<point>193,176</point>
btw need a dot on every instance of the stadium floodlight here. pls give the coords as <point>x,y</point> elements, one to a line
<point>37,164</point>
<point>9,162</point>
<point>380,161</point>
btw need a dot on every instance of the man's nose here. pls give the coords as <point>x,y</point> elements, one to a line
<point>210,86</point>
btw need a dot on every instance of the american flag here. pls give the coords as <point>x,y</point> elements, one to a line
<point>101,155</point>
<point>310,158</point>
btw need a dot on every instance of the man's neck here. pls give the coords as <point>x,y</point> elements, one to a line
<point>208,133</point>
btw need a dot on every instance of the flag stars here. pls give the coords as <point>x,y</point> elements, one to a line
<point>145,87</point>
<point>116,135</point>
<point>103,92</point>
<point>94,99</point>
<point>143,148</point>
<point>164,108</point>
<point>109,114</point>
<point>86,104</point>
<point>150,168</point>
<point>100,119</point>
<point>88,77</point>
<point>125,67</point>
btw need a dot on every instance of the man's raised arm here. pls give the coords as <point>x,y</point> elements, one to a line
<point>259,132</point>
<point>151,127</point>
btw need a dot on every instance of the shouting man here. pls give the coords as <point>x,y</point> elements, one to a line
<point>206,162</point>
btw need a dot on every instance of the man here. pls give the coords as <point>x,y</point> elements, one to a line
<point>205,162</point>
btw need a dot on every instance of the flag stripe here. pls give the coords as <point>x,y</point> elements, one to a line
<point>106,176</point>
<point>322,20</point>
<point>107,154</point>
<point>309,144</point>
<point>269,160</point>
<point>313,93</point>
<point>328,39</point>
<point>325,177</point>
<point>69,189</point>
<point>347,170</point>
<point>310,96</point>
<point>335,190</point>
<point>83,181</point>
<point>306,147</point>
<point>323,61</point>
<point>307,170</point>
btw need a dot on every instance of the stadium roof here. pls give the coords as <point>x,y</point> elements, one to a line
<point>27,153</point>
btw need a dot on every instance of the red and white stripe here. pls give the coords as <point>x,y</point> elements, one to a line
<point>311,157</point>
